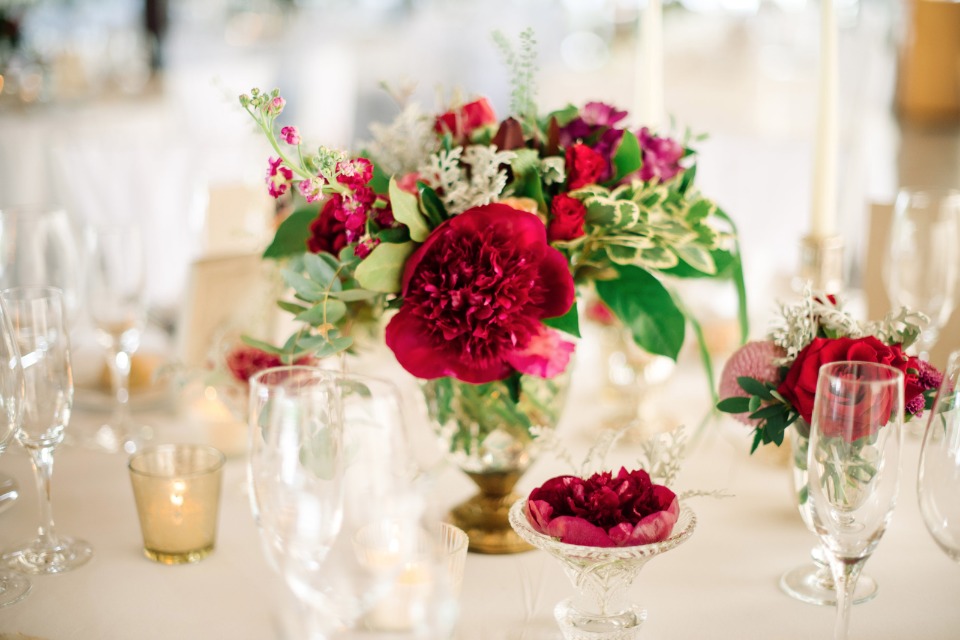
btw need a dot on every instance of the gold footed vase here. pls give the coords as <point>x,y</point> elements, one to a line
<point>489,431</point>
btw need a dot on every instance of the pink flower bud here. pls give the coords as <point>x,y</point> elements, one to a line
<point>275,106</point>
<point>290,135</point>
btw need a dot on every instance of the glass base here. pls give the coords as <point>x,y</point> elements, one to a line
<point>579,625</point>
<point>179,557</point>
<point>113,439</point>
<point>65,555</point>
<point>13,588</point>
<point>807,584</point>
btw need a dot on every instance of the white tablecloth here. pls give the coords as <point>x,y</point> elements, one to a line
<point>721,584</point>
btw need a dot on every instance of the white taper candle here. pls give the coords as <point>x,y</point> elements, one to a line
<point>824,202</point>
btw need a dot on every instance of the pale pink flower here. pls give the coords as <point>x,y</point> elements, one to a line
<point>312,189</point>
<point>752,360</point>
<point>290,135</point>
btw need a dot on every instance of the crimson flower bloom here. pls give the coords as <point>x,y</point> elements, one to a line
<point>327,232</point>
<point>661,156</point>
<point>567,215</point>
<point>474,295</point>
<point>461,122</point>
<point>245,361</point>
<point>584,166</point>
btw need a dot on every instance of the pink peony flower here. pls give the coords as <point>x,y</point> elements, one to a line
<point>547,355</point>
<point>474,294</point>
<point>603,510</point>
<point>278,177</point>
<point>753,360</point>
<point>290,135</point>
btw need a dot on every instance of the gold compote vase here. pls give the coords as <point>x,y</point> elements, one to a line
<point>602,577</point>
<point>489,431</point>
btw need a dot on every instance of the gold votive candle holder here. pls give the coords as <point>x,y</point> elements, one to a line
<point>177,491</point>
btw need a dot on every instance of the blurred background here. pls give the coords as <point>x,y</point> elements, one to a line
<point>115,108</point>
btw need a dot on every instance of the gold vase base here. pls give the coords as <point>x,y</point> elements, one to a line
<point>485,516</point>
<point>178,557</point>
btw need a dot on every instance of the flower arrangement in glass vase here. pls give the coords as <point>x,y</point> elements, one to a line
<point>771,385</point>
<point>474,236</point>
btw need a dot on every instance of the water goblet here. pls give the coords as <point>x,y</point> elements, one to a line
<point>13,586</point>
<point>853,466</point>
<point>923,266</point>
<point>37,316</point>
<point>117,307</point>
<point>938,476</point>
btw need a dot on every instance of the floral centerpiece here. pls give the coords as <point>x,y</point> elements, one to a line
<point>475,235</point>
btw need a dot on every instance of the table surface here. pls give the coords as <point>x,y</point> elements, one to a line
<point>722,583</point>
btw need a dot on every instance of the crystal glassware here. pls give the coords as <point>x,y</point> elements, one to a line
<point>853,467</point>
<point>37,316</point>
<point>116,303</point>
<point>13,586</point>
<point>938,476</point>
<point>602,576</point>
<point>923,266</point>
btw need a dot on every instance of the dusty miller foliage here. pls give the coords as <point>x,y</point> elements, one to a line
<point>466,178</point>
<point>401,146</point>
<point>522,65</point>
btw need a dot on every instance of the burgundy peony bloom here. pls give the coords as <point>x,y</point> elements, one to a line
<point>567,215</point>
<point>327,232</point>
<point>661,157</point>
<point>461,122</point>
<point>474,295</point>
<point>603,510</point>
<point>584,166</point>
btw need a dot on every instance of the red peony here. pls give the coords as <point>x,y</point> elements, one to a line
<point>327,232</point>
<point>567,215</point>
<point>584,166</point>
<point>604,511</point>
<point>474,295</point>
<point>799,386</point>
<point>460,123</point>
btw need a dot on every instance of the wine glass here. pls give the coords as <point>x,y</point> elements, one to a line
<point>37,317</point>
<point>923,265</point>
<point>117,307</point>
<point>853,466</point>
<point>938,478</point>
<point>13,587</point>
<point>338,511</point>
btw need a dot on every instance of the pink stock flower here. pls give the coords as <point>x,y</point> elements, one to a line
<point>603,510</point>
<point>275,106</point>
<point>474,294</point>
<point>312,189</point>
<point>354,173</point>
<point>278,177</point>
<point>661,157</point>
<point>290,135</point>
<point>327,233</point>
<point>752,360</point>
<point>364,248</point>
<point>546,356</point>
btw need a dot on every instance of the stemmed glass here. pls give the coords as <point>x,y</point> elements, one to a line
<point>853,466</point>
<point>40,329</point>
<point>338,513</point>
<point>923,266</point>
<point>117,307</point>
<point>938,477</point>
<point>13,587</point>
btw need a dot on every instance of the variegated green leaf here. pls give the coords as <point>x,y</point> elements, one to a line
<point>658,258</point>
<point>697,257</point>
<point>700,210</point>
<point>601,211</point>
<point>622,254</point>
<point>628,213</point>
<point>591,190</point>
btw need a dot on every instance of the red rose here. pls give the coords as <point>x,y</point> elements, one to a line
<point>584,166</point>
<point>567,215</point>
<point>603,510</point>
<point>851,406</point>
<point>474,295</point>
<point>799,387</point>
<point>327,232</point>
<point>460,123</point>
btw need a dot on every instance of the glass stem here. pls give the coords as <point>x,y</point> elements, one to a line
<point>42,459</point>
<point>845,575</point>
<point>120,378</point>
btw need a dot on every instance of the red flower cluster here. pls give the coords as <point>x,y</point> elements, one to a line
<point>603,510</point>
<point>567,216</point>
<point>245,361</point>
<point>461,122</point>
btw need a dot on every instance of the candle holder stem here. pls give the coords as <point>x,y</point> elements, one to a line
<point>821,263</point>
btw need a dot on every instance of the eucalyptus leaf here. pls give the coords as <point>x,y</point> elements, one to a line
<point>354,295</point>
<point>321,272</point>
<point>327,312</point>
<point>260,344</point>
<point>382,270</point>
<point>305,288</point>
<point>407,211</point>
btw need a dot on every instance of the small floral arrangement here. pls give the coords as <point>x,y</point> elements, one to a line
<point>604,510</point>
<point>771,384</point>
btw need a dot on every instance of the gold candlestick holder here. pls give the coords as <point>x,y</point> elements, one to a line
<point>821,263</point>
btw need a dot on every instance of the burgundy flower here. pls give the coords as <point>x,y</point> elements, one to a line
<point>474,295</point>
<point>603,510</point>
<point>584,166</point>
<point>567,215</point>
<point>327,232</point>
<point>661,157</point>
<point>245,361</point>
<point>594,117</point>
<point>354,173</point>
<point>461,122</point>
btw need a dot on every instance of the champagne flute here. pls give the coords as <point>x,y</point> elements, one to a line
<point>923,266</point>
<point>117,306</point>
<point>938,477</point>
<point>37,317</point>
<point>853,466</point>
<point>13,586</point>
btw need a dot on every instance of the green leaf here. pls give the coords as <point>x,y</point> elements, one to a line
<point>568,322</point>
<point>644,306</point>
<point>291,307</point>
<point>628,157</point>
<point>380,181</point>
<point>564,115</point>
<point>260,344</point>
<point>321,272</point>
<point>700,210</point>
<point>431,205</point>
<point>382,270</point>
<point>328,311</point>
<point>723,260</point>
<point>405,210</point>
<point>754,387</point>
<point>601,211</point>
<point>738,280</point>
<point>766,413</point>
<point>734,404</point>
<point>622,253</point>
<point>697,257</point>
<point>354,295</point>
<point>291,236</point>
<point>305,288</point>
<point>396,235</point>
<point>754,403</point>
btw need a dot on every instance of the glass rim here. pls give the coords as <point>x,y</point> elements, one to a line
<point>331,374</point>
<point>218,459</point>
<point>31,292</point>
<point>825,368</point>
